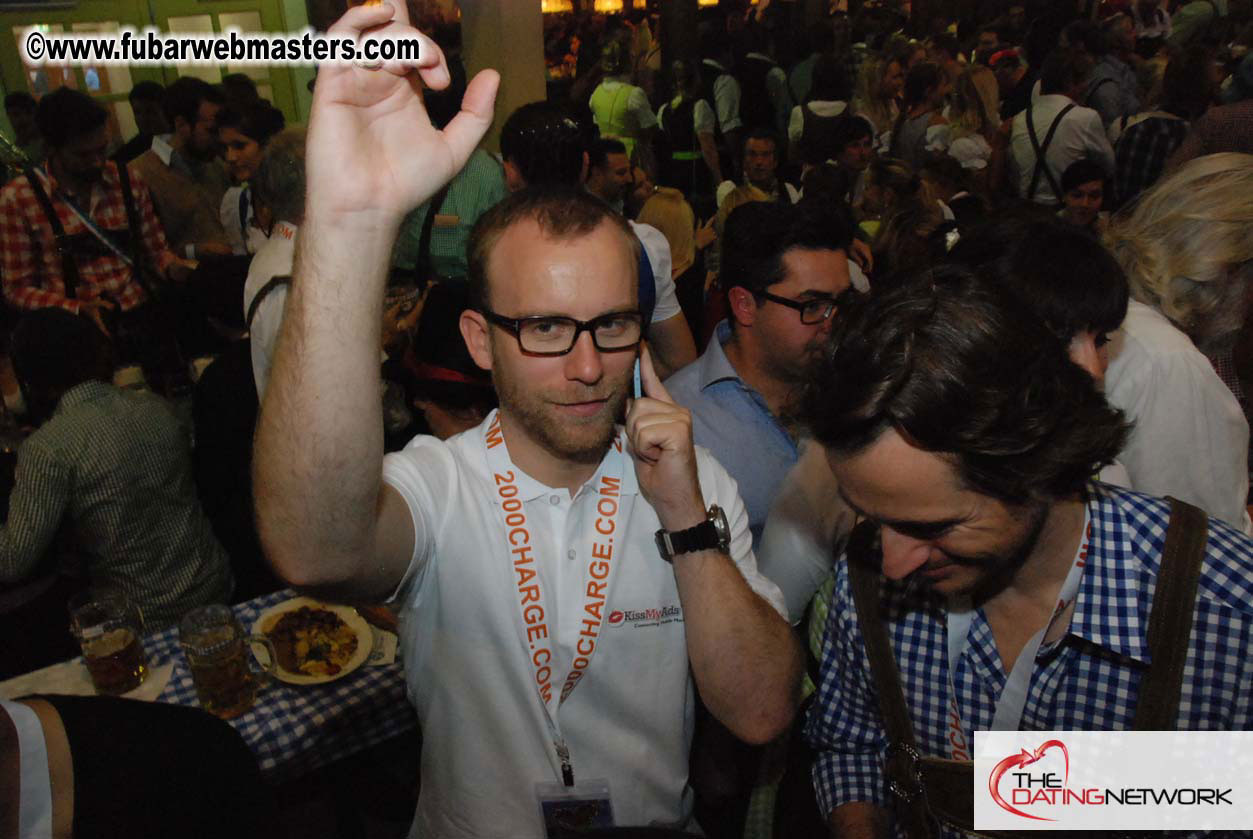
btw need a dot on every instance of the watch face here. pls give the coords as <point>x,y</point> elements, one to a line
<point>719,519</point>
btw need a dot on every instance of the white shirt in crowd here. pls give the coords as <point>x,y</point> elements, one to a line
<point>1080,134</point>
<point>467,659</point>
<point>1190,437</point>
<point>243,235</point>
<point>273,259</point>
<point>657,248</point>
<point>726,97</point>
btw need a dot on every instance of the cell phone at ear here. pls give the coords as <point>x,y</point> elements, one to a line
<point>639,390</point>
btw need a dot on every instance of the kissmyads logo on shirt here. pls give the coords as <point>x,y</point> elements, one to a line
<point>640,618</point>
<point>1124,780</point>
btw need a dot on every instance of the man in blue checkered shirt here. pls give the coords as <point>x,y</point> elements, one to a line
<point>955,421</point>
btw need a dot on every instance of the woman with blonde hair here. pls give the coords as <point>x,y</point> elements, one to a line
<point>1187,250</point>
<point>972,118</point>
<point>667,211</point>
<point>879,86</point>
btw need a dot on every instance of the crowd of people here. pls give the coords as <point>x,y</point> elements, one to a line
<point>898,336</point>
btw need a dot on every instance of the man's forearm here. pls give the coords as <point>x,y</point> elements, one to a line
<point>745,659</point>
<point>319,442</point>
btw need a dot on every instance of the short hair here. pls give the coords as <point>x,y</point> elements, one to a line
<point>758,234</point>
<point>66,114</point>
<point>53,350</point>
<point>1063,70</point>
<point>960,368</point>
<point>761,132</point>
<point>280,178</point>
<point>921,78</point>
<point>1062,274</point>
<point>147,91</point>
<point>1092,37</point>
<point>830,80</point>
<point>257,120</point>
<point>183,98</point>
<point>240,88</point>
<point>20,100</point>
<point>546,142</point>
<point>561,211</point>
<point>1082,171</point>
<point>598,155</point>
<point>1182,237</point>
<point>850,131</point>
<point>826,182</point>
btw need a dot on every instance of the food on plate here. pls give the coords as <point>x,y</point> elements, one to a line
<point>312,642</point>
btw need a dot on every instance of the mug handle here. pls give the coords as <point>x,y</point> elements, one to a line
<point>270,667</point>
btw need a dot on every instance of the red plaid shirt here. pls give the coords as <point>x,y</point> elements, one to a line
<point>30,264</point>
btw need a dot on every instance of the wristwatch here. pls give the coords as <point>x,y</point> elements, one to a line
<point>712,533</point>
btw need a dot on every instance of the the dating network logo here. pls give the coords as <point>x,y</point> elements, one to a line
<point>1021,787</point>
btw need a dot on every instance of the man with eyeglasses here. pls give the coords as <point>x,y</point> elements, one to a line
<point>564,584</point>
<point>784,269</point>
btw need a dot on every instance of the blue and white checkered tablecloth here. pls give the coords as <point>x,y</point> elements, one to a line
<point>294,729</point>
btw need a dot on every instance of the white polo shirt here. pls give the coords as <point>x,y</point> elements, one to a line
<point>486,742</point>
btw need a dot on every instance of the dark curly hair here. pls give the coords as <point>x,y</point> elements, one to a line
<point>961,369</point>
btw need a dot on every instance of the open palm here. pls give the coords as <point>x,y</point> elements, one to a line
<point>371,146</point>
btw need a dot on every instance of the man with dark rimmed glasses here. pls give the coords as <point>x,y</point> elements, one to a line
<point>565,583</point>
<point>784,270</point>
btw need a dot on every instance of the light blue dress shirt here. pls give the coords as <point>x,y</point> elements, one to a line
<point>733,421</point>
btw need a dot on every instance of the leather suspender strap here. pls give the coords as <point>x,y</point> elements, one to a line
<point>904,774</point>
<point>1041,165</point>
<point>264,292</point>
<point>69,268</point>
<point>1170,622</point>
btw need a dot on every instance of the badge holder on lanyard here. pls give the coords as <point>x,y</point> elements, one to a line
<point>588,802</point>
<point>1013,701</point>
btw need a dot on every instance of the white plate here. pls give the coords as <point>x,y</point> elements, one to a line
<point>349,615</point>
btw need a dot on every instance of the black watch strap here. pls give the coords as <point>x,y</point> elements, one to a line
<point>703,536</point>
<point>711,534</point>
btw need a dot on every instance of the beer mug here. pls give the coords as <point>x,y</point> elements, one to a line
<point>108,628</point>
<point>216,648</point>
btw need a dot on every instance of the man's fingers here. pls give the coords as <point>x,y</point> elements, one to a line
<point>651,382</point>
<point>468,127</point>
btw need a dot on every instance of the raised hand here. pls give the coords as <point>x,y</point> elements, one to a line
<point>660,434</point>
<point>371,148</point>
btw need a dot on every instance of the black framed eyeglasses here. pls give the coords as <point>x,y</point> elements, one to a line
<point>556,335</point>
<point>813,311</point>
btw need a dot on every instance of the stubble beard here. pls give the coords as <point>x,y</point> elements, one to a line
<point>1001,568</point>
<point>568,438</point>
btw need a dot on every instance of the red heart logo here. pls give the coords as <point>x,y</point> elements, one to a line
<point>1024,758</point>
